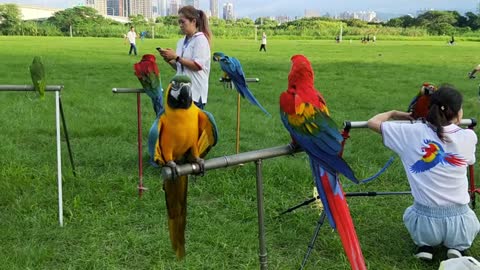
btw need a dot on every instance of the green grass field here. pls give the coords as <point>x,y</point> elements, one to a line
<point>108,227</point>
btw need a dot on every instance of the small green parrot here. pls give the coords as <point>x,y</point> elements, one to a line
<point>37,71</point>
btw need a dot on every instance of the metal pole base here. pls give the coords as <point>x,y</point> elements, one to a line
<point>314,238</point>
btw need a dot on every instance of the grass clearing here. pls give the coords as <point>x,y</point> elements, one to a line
<point>108,227</point>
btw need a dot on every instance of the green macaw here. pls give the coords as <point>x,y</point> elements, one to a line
<point>37,71</point>
<point>181,133</point>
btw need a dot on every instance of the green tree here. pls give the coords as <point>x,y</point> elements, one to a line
<point>76,16</point>
<point>244,22</point>
<point>266,22</point>
<point>138,20</point>
<point>404,21</point>
<point>170,20</point>
<point>10,21</point>
<point>473,21</point>
<point>438,22</point>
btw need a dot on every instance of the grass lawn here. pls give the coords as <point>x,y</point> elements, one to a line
<point>108,227</point>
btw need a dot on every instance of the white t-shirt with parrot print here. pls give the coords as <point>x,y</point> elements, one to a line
<point>436,170</point>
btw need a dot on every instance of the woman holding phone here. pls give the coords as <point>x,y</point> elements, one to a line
<point>192,55</point>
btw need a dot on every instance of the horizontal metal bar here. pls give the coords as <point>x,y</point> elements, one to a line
<point>127,90</point>
<point>27,87</point>
<point>246,79</point>
<point>363,124</point>
<point>227,161</point>
<point>374,193</point>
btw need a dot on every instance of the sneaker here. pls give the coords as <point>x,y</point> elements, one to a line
<point>424,253</point>
<point>455,253</point>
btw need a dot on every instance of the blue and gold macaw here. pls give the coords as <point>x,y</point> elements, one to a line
<point>233,70</point>
<point>181,133</point>
<point>305,115</point>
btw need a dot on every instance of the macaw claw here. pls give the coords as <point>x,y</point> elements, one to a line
<point>172,165</point>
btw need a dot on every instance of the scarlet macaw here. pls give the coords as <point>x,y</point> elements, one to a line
<point>149,76</point>
<point>419,104</point>
<point>233,70</point>
<point>305,115</point>
<point>37,72</point>
<point>181,133</point>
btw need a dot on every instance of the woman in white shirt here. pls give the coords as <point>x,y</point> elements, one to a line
<point>435,156</point>
<point>192,56</point>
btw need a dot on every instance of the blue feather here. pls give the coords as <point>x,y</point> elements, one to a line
<point>233,68</point>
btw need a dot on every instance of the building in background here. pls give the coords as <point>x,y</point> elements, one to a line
<point>141,7</point>
<point>282,19</point>
<point>122,8</point>
<point>99,5</point>
<point>214,8</point>
<point>28,12</point>
<point>161,8</point>
<point>311,13</point>
<point>367,16</point>
<point>114,7</point>
<point>194,3</point>
<point>173,8</point>
<point>228,11</point>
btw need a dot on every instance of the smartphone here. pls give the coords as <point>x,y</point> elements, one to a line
<point>159,49</point>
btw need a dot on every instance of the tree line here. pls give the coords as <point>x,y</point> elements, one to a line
<point>86,21</point>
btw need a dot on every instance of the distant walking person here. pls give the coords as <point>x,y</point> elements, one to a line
<point>131,36</point>
<point>264,43</point>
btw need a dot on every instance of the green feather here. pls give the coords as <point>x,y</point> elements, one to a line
<point>37,72</point>
<point>181,78</point>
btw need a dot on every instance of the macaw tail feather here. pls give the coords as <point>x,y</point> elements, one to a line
<point>245,92</point>
<point>157,103</point>
<point>382,170</point>
<point>338,213</point>
<point>176,198</point>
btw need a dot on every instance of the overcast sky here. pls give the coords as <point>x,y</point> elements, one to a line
<point>256,8</point>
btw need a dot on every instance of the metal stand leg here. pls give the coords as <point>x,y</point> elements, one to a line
<point>261,226</point>
<point>139,142</point>
<point>59,159</point>
<point>66,137</point>
<point>314,238</point>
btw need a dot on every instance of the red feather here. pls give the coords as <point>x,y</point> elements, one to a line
<point>346,229</point>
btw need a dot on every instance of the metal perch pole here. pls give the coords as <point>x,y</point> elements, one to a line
<point>233,160</point>
<point>56,89</point>
<point>141,188</point>
<point>230,84</point>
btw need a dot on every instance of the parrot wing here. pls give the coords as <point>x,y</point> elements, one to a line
<point>233,68</point>
<point>318,134</point>
<point>154,149</point>
<point>208,132</point>
<point>411,106</point>
<point>37,72</point>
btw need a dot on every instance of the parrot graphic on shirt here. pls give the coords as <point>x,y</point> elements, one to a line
<point>434,155</point>
<point>37,72</point>
<point>181,133</point>
<point>233,70</point>
<point>149,76</point>
<point>419,104</point>
<point>305,115</point>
